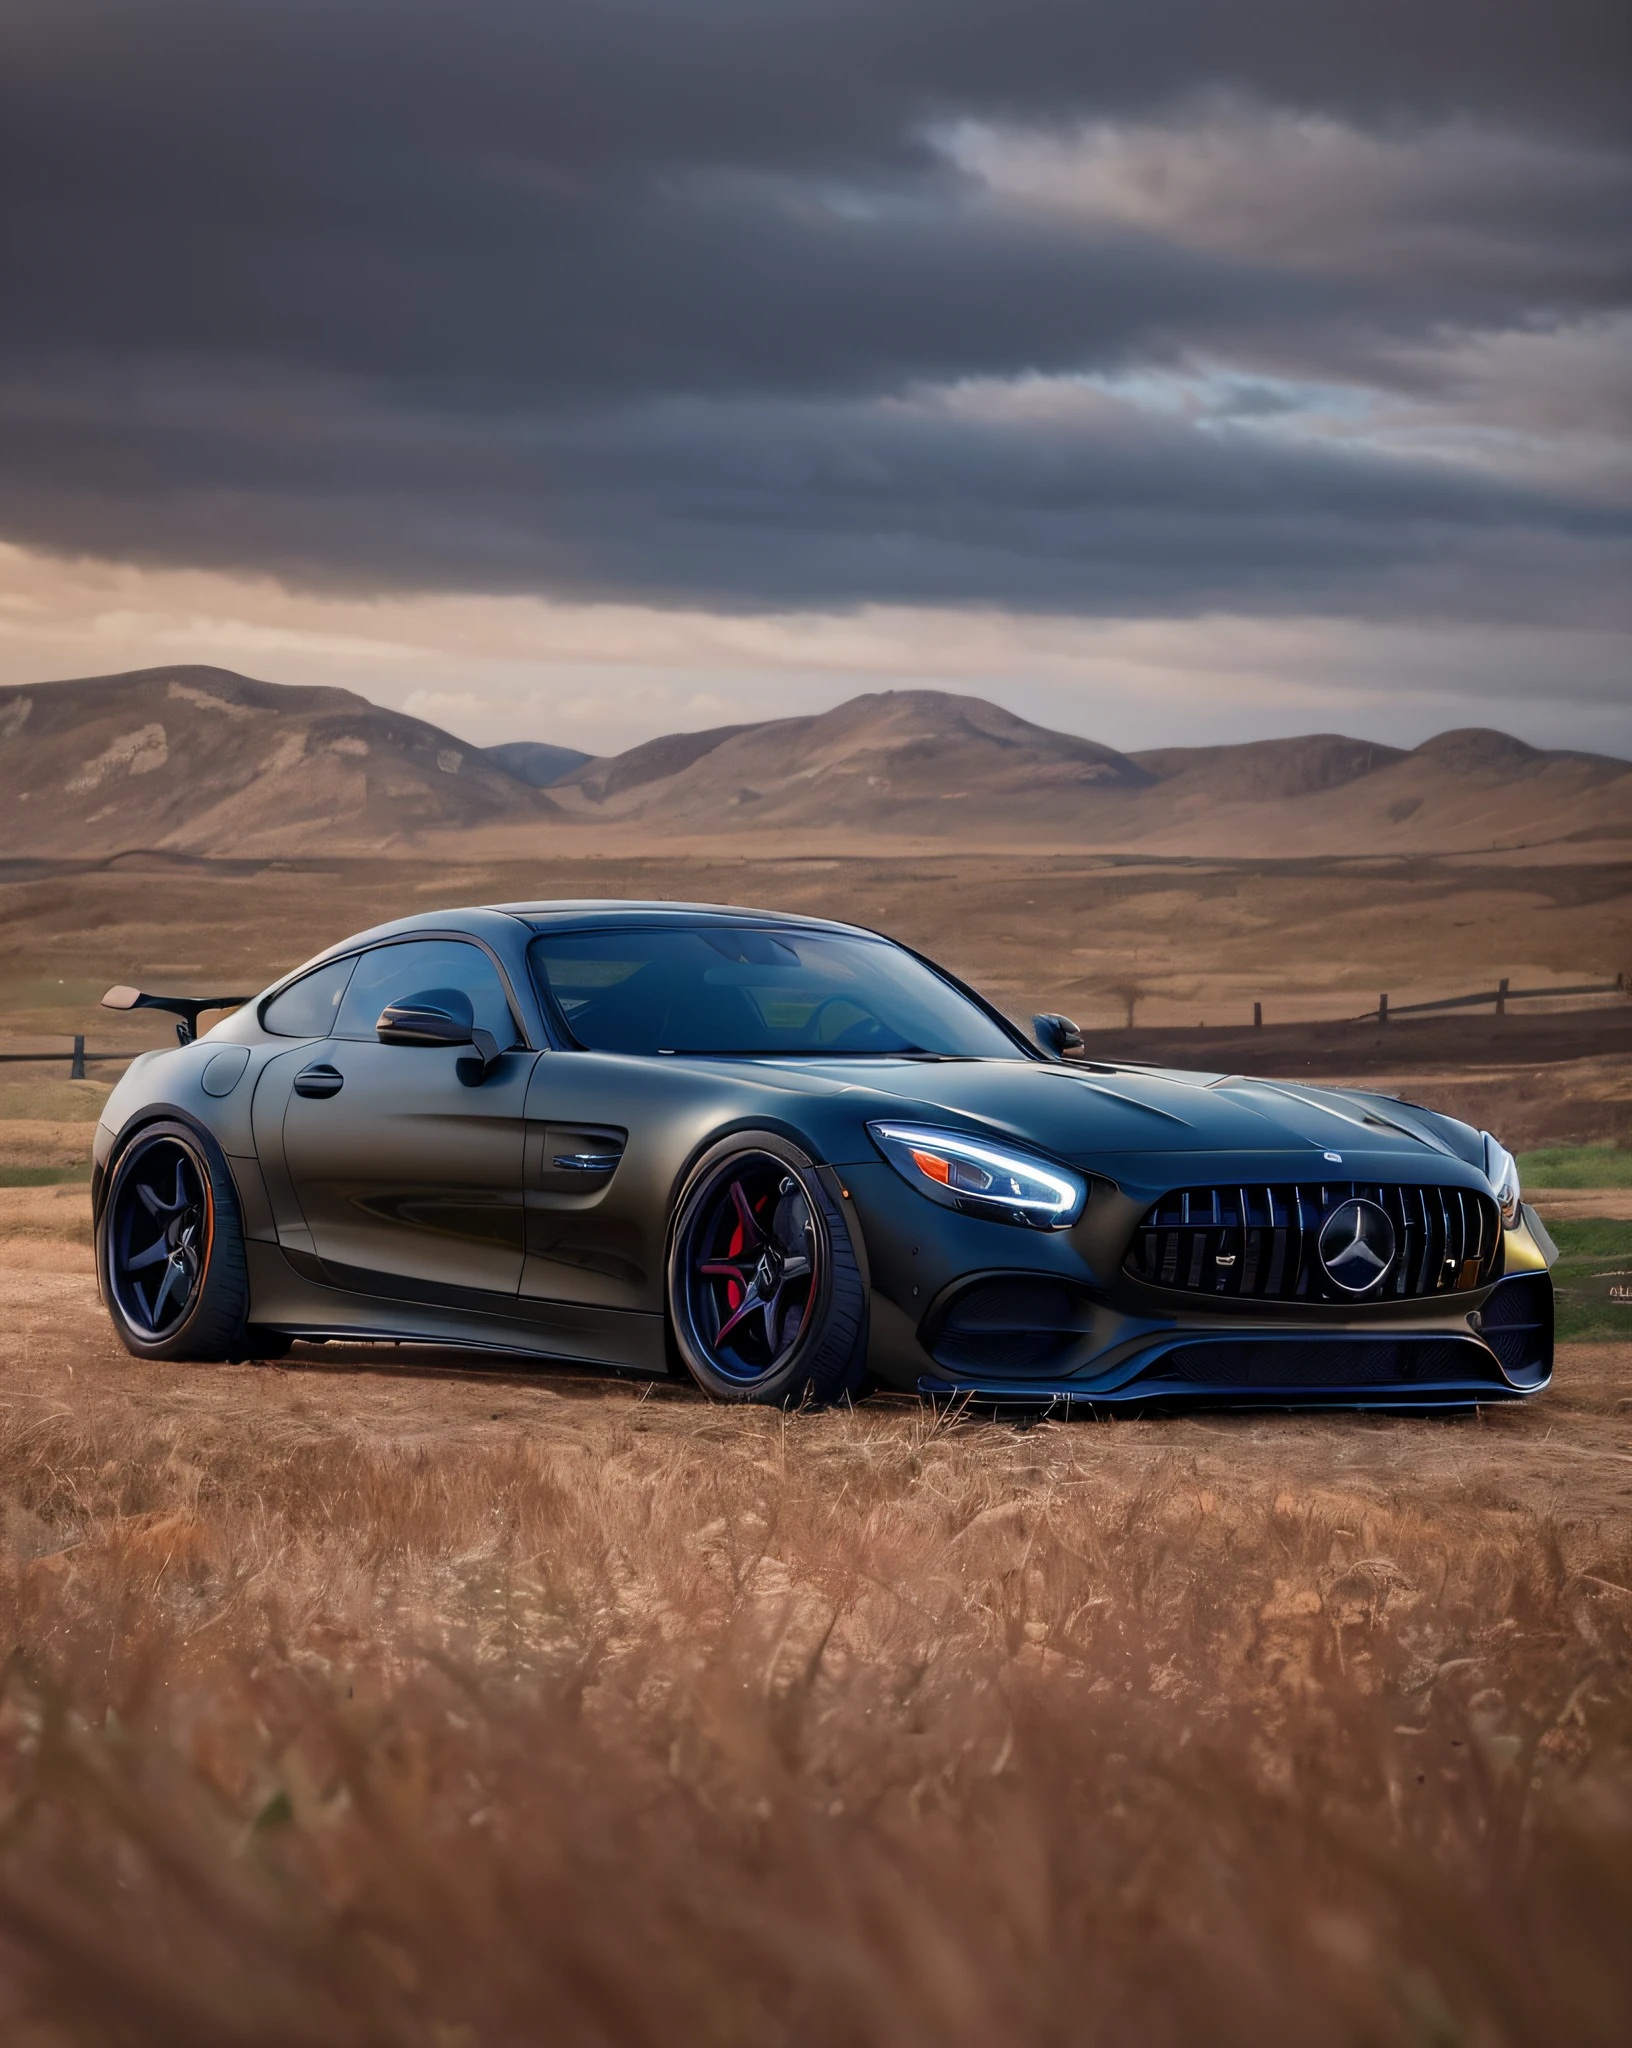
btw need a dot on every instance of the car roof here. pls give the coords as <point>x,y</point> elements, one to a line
<point>589,913</point>
<point>601,911</point>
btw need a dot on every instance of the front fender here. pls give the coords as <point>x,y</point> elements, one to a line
<point>1527,1247</point>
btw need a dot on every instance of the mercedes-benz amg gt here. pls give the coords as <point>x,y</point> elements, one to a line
<point>796,1161</point>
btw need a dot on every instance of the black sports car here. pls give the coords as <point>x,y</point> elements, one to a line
<point>792,1159</point>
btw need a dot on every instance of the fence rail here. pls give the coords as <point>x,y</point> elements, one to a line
<point>76,1058</point>
<point>1501,995</point>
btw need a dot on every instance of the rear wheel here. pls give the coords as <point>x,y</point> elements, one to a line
<point>170,1250</point>
<point>765,1295</point>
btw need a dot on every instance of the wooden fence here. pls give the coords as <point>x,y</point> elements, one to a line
<point>76,1058</point>
<point>1501,995</point>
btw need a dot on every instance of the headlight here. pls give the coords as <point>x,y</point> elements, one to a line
<point>980,1178</point>
<point>1501,1170</point>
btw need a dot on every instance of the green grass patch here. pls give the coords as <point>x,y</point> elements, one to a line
<point>1592,1282</point>
<point>43,1176</point>
<point>1586,1321</point>
<point>1576,1166</point>
<point>1592,1237</point>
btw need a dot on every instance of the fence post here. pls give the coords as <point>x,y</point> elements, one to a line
<point>77,1071</point>
<point>1501,997</point>
<point>1257,1016</point>
<point>1382,1009</point>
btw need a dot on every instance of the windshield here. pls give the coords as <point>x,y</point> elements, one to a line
<point>729,989</point>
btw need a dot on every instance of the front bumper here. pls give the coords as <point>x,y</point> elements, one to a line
<point>964,1306</point>
<point>1498,1352</point>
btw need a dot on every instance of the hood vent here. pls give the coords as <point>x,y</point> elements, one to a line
<point>1262,1243</point>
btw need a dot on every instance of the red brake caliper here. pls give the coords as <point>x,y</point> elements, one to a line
<point>733,1293</point>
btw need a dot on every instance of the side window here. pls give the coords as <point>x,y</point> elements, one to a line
<point>307,1008</point>
<point>389,973</point>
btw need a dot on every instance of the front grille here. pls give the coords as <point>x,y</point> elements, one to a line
<point>1260,1243</point>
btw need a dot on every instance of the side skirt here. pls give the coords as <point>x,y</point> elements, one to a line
<point>291,1296</point>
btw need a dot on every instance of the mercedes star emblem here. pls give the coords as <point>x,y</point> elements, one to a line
<point>1356,1246</point>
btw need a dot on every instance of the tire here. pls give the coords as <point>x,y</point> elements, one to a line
<point>748,1322</point>
<point>169,1233</point>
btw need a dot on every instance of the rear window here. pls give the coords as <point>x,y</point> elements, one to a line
<point>735,989</point>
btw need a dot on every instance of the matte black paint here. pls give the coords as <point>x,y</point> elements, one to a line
<point>528,1209</point>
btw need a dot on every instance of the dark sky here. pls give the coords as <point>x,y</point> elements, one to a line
<point>1109,309</point>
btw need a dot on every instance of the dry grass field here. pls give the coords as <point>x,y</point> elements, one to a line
<point>1171,943</point>
<point>381,1697</point>
<point>390,1696</point>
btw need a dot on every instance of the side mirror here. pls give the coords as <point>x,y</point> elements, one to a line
<point>1056,1035</point>
<point>436,1016</point>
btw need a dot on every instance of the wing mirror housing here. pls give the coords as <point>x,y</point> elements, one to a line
<point>437,1016</point>
<point>1056,1035</point>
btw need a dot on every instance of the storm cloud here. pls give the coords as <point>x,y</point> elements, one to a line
<point>1138,308</point>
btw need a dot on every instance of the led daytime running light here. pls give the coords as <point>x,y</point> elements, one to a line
<point>972,1174</point>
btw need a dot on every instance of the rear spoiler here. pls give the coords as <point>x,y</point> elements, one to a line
<point>187,1008</point>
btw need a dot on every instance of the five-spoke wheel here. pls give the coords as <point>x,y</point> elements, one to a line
<point>160,1225</point>
<point>764,1292</point>
<point>170,1247</point>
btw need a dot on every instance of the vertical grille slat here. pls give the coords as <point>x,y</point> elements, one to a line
<point>1394,1203</point>
<point>1262,1242</point>
<point>1276,1281</point>
<point>1417,1280</point>
<point>1236,1243</point>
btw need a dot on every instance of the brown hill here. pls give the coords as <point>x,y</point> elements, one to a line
<point>913,762</point>
<point>1265,769</point>
<point>201,760</point>
<point>923,766</point>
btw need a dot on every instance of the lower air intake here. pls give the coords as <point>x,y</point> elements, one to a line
<point>1016,1328</point>
<point>1517,1324</point>
<point>1326,1364</point>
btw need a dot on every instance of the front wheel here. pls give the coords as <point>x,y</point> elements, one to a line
<point>170,1248</point>
<point>766,1298</point>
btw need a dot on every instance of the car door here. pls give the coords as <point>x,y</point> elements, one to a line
<point>406,1160</point>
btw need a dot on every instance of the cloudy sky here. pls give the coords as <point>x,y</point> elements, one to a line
<point>579,369</point>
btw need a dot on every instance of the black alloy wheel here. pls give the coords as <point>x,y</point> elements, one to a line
<point>765,1295</point>
<point>160,1231</point>
<point>170,1250</point>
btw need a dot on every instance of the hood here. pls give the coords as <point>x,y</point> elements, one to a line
<point>1138,1123</point>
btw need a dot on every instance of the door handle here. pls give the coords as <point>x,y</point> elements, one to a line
<point>320,1081</point>
<point>586,1162</point>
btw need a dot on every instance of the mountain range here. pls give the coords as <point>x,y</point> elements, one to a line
<point>205,761</point>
